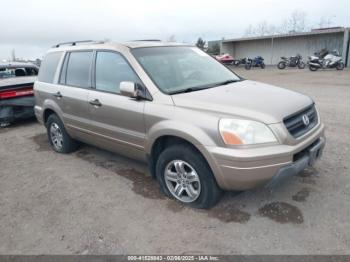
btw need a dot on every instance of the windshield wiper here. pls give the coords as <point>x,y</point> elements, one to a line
<point>191,89</point>
<point>226,82</point>
<point>187,90</point>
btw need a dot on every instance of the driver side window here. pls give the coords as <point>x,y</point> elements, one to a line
<point>111,69</point>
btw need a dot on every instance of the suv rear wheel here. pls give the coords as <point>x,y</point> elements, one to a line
<point>185,175</point>
<point>59,139</point>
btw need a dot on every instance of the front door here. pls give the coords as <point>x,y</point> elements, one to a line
<point>117,120</point>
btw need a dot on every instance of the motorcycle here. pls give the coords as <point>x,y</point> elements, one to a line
<point>239,62</point>
<point>293,61</point>
<point>256,62</point>
<point>325,59</point>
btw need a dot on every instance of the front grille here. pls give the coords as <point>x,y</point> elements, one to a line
<point>295,124</point>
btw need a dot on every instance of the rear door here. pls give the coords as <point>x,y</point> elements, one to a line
<point>74,83</point>
<point>118,120</point>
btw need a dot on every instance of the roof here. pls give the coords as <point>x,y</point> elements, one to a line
<point>16,65</point>
<point>312,32</point>
<point>102,44</point>
<point>137,44</point>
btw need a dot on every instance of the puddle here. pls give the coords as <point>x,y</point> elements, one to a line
<point>142,184</point>
<point>42,141</point>
<point>282,213</point>
<point>229,212</point>
<point>225,212</point>
<point>307,176</point>
<point>302,195</point>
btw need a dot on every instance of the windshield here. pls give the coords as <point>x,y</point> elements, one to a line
<point>176,69</point>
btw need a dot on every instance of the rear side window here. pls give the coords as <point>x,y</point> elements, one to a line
<point>48,67</point>
<point>78,69</point>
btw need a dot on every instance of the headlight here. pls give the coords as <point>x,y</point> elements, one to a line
<point>245,132</point>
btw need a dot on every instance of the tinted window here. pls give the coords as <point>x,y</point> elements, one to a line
<point>111,69</point>
<point>78,69</point>
<point>48,67</point>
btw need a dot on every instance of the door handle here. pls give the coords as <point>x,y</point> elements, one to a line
<point>57,95</point>
<point>95,102</point>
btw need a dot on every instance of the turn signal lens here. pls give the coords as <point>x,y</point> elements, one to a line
<point>231,139</point>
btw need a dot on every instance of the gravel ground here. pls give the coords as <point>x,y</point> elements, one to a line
<point>95,202</point>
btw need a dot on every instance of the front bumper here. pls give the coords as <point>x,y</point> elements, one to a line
<point>241,169</point>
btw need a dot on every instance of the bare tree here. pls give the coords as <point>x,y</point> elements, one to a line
<point>326,21</point>
<point>296,23</point>
<point>171,38</point>
<point>249,31</point>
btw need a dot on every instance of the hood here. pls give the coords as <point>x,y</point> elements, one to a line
<point>247,99</point>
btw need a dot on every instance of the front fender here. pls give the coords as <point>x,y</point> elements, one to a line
<point>186,131</point>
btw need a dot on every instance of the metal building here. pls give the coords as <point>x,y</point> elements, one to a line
<point>272,47</point>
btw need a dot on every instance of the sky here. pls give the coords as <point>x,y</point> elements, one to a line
<point>32,27</point>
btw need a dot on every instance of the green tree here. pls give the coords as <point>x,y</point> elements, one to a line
<point>214,49</point>
<point>200,43</point>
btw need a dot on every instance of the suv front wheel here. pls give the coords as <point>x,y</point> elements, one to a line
<point>59,139</point>
<point>184,174</point>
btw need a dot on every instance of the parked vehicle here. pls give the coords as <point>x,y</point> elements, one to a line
<point>293,61</point>
<point>326,59</point>
<point>16,91</point>
<point>256,62</point>
<point>239,62</point>
<point>201,128</point>
<point>225,59</point>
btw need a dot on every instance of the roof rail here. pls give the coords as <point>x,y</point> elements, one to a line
<point>78,42</point>
<point>147,40</point>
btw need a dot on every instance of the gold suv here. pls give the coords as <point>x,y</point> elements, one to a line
<point>201,128</point>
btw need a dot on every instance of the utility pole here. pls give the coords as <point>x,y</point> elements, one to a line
<point>13,55</point>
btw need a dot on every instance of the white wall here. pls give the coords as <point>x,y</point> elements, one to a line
<point>288,46</point>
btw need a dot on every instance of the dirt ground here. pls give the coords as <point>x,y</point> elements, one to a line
<point>95,202</point>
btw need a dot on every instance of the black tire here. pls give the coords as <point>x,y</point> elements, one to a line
<point>313,68</point>
<point>210,192</point>
<point>340,66</point>
<point>281,65</point>
<point>301,65</point>
<point>262,65</point>
<point>248,66</point>
<point>68,144</point>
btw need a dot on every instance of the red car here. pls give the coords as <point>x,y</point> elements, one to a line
<point>16,91</point>
<point>225,59</point>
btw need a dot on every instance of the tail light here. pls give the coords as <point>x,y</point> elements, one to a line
<point>6,94</point>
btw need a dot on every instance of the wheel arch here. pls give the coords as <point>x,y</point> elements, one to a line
<point>51,107</point>
<point>188,135</point>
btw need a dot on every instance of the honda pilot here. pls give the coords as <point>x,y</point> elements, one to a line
<point>201,128</point>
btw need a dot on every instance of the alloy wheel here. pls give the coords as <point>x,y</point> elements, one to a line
<point>56,136</point>
<point>182,181</point>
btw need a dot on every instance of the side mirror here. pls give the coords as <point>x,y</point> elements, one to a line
<point>128,89</point>
<point>134,90</point>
